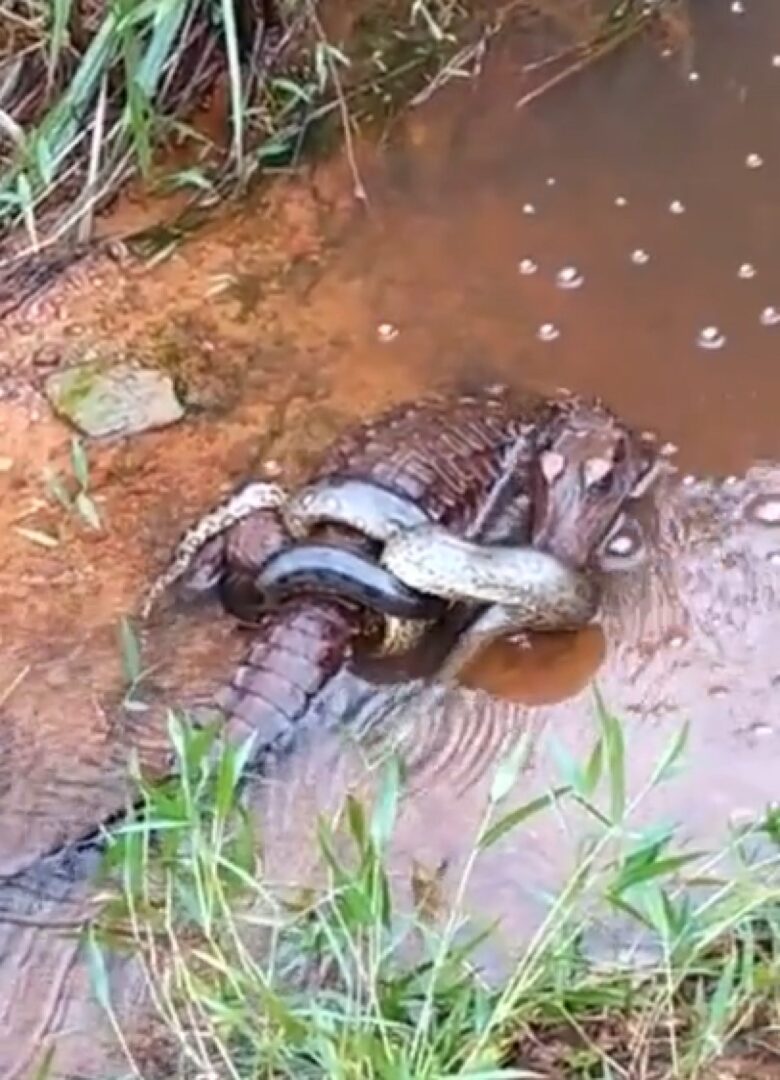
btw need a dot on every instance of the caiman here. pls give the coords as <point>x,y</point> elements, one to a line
<point>306,570</point>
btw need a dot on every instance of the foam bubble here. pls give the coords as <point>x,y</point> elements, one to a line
<point>386,332</point>
<point>548,332</point>
<point>710,337</point>
<point>569,277</point>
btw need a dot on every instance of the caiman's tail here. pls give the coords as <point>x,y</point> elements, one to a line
<point>297,649</point>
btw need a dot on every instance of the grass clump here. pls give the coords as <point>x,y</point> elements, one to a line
<point>346,979</point>
<point>93,92</point>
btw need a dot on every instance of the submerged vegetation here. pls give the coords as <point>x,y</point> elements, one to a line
<point>204,94</point>
<point>365,975</point>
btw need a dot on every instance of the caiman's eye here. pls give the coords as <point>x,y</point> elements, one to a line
<point>599,474</point>
<point>604,485</point>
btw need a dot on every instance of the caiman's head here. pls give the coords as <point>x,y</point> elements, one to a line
<point>582,477</point>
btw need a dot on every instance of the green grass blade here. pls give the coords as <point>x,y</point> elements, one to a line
<point>615,755</point>
<point>670,760</point>
<point>236,90</point>
<point>130,651</point>
<point>88,511</point>
<point>96,964</point>
<point>44,1070</point>
<point>516,817</point>
<point>509,768</point>
<point>385,810</point>
<point>55,486</point>
<point>60,18</point>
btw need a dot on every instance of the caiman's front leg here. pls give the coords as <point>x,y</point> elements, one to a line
<point>495,621</point>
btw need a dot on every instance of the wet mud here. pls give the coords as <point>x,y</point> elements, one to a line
<point>620,238</point>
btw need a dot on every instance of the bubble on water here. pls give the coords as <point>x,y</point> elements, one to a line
<point>710,337</point>
<point>551,181</point>
<point>746,271</point>
<point>693,76</point>
<point>676,207</point>
<point>527,266</point>
<point>770,316</point>
<point>569,277</point>
<point>548,332</point>
<point>737,7</point>
<point>386,332</point>
<point>529,208</point>
<point>754,161</point>
<point>621,201</point>
<point>639,257</point>
<point>765,509</point>
<point>776,60</point>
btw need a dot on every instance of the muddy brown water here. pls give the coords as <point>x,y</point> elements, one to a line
<point>303,311</point>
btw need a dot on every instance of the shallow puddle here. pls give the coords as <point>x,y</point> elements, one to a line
<point>622,238</point>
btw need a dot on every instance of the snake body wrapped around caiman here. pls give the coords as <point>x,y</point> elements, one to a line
<point>317,555</point>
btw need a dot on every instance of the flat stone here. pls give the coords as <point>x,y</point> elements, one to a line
<point>118,400</point>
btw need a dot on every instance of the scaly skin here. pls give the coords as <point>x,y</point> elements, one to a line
<point>373,511</point>
<point>333,570</point>
<point>581,476</point>
<point>446,456</point>
<point>579,483</point>
<point>544,593</point>
<point>526,590</point>
<point>429,461</point>
<point>215,545</point>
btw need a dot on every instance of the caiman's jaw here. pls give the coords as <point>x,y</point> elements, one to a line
<point>582,480</point>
